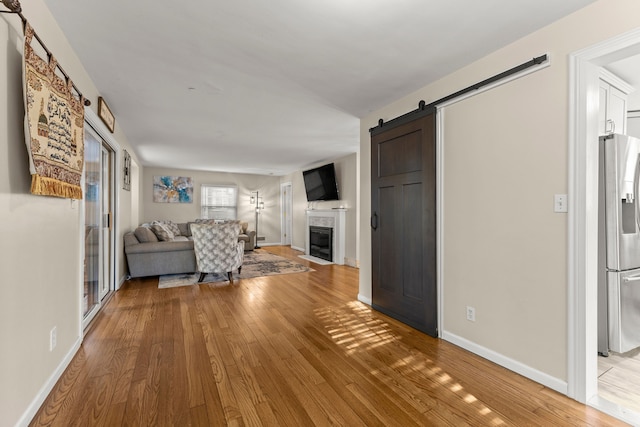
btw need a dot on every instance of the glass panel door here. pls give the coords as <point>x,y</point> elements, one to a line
<point>107,223</point>
<point>98,220</point>
<point>92,221</point>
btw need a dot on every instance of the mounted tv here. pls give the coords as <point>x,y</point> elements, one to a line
<point>320,183</point>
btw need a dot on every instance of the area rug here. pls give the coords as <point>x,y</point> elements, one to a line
<point>256,264</point>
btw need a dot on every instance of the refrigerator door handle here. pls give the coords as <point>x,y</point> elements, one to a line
<point>636,185</point>
<point>631,279</point>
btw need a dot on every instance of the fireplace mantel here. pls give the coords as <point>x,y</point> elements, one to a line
<point>332,218</point>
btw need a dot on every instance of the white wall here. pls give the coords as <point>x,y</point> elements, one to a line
<point>505,156</point>
<point>41,244</point>
<point>268,186</point>
<point>346,176</point>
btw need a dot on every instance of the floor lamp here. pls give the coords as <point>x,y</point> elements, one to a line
<point>256,200</point>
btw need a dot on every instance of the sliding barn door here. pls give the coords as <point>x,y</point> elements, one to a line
<point>403,222</point>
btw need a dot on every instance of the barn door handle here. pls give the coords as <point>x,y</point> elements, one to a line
<point>374,221</point>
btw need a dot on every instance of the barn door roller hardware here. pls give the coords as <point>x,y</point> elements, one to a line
<point>424,108</point>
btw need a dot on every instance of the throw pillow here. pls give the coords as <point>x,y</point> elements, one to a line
<point>189,232</point>
<point>145,235</point>
<point>162,232</point>
<point>172,226</point>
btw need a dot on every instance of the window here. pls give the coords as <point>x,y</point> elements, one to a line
<point>219,202</point>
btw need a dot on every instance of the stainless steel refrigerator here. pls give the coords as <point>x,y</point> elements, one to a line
<point>619,244</point>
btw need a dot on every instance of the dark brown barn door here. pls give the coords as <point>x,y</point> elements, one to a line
<point>403,223</point>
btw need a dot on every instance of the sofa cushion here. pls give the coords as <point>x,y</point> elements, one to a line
<point>161,231</point>
<point>184,229</point>
<point>208,221</point>
<point>145,235</point>
<point>160,247</point>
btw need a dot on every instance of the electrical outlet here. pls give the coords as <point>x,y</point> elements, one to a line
<point>53,339</point>
<point>471,314</point>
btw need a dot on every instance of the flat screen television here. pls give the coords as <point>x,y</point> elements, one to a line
<point>320,183</point>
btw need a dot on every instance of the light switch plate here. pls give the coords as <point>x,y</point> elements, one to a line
<point>560,203</point>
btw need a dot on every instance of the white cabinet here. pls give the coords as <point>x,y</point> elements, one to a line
<point>613,104</point>
<point>613,110</point>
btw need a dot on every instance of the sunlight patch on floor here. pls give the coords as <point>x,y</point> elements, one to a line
<point>355,328</point>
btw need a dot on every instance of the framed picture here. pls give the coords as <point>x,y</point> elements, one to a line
<point>106,115</point>
<point>126,171</point>
<point>172,189</point>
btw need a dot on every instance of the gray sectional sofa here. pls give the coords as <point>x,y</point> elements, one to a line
<point>151,252</point>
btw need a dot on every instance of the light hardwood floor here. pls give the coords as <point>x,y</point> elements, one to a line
<point>619,379</point>
<point>290,350</point>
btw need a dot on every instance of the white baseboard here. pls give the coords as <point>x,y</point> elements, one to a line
<point>122,280</point>
<point>269,244</point>
<point>297,248</point>
<point>37,402</point>
<point>527,371</point>
<point>364,300</point>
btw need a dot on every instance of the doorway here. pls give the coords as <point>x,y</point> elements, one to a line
<point>98,224</point>
<point>286,201</point>
<point>583,216</point>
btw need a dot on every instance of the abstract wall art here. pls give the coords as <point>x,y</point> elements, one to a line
<point>172,189</point>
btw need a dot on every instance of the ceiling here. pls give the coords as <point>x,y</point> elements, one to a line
<point>271,87</point>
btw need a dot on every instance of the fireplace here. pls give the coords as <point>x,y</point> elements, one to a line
<point>332,221</point>
<point>321,242</point>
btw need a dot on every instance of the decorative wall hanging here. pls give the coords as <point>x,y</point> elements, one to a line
<point>105,114</point>
<point>172,189</point>
<point>126,171</point>
<point>54,126</point>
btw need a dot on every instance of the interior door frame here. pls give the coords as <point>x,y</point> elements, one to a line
<point>92,119</point>
<point>106,151</point>
<point>286,206</point>
<point>582,380</point>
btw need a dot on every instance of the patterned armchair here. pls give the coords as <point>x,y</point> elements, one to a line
<point>217,248</point>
